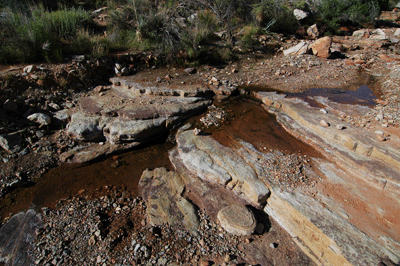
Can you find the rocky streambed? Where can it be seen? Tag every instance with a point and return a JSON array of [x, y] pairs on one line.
[[217, 171]]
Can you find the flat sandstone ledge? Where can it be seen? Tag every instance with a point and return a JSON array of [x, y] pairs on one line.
[[320, 225], [380, 160]]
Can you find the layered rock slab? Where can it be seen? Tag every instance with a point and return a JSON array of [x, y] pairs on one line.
[[214, 163], [321, 228], [162, 190], [359, 191], [126, 115]]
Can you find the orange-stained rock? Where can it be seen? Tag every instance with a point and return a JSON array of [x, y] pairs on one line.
[[387, 58], [321, 47]]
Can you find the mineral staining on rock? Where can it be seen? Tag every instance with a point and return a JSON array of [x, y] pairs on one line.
[[162, 190]]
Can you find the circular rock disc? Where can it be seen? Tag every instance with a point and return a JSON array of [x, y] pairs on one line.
[[237, 220]]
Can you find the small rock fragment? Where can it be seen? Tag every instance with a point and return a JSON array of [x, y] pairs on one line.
[[125, 71], [312, 31], [204, 263], [196, 131], [99, 89], [54, 106], [30, 69], [259, 228], [340, 127], [227, 258], [92, 240], [380, 137], [40, 118], [273, 245], [10, 105], [322, 110], [324, 123], [191, 70]]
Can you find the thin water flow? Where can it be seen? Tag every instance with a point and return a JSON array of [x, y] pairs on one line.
[[246, 120]]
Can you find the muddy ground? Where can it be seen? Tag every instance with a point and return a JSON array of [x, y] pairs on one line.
[[77, 201]]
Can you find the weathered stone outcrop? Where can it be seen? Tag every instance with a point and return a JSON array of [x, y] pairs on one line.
[[16, 238], [341, 224], [135, 87], [162, 190], [131, 113], [214, 163], [84, 127]]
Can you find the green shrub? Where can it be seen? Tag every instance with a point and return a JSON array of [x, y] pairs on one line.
[[335, 13], [276, 11], [38, 34], [198, 33], [247, 37]]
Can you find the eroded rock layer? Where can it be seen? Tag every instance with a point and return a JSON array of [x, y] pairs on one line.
[[130, 113]]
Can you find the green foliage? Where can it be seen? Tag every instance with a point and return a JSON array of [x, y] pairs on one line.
[[38, 34], [247, 38], [335, 13], [267, 11], [198, 33]]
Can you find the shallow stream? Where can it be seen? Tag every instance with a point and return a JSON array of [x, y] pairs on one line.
[[246, 120]]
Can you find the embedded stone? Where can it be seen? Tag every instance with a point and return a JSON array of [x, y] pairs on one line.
[[40, 118], [324, 123], [237, 220]]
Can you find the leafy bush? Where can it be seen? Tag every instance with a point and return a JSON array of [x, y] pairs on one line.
[[335, 13], [247, 37], [276, 11], [198, 33]]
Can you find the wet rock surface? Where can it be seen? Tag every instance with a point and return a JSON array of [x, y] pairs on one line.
[[132, 112], [313, 198]]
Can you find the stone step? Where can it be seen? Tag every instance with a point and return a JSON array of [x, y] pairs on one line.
[[134, 87]]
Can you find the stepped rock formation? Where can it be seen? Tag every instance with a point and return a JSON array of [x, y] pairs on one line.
[[130, 113]]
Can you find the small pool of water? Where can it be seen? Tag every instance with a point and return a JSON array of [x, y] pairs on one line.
[[67, 180], [362, 96]]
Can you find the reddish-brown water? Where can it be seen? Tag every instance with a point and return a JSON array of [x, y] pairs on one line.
[[67, 180], [247, 120]]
